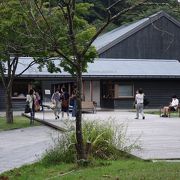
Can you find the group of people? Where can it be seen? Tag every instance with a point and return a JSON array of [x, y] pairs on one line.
[[60, 101], [139, 105]]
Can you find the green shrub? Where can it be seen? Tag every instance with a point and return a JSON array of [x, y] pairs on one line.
[[105, 142], [61, 151], [101, 137]]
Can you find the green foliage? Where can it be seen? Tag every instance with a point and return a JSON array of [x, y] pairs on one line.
[[54, 37], [101, 138], [98, 11], [63, 150], [15, 38], [106, 143]]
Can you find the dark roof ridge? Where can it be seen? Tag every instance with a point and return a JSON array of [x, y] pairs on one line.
[[162, 13]]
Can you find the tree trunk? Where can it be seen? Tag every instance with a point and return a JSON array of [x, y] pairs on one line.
[[79, 135], [9, 110]]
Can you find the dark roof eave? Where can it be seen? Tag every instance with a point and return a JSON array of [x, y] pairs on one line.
[[106, 76], [46, 76], [134, 76]]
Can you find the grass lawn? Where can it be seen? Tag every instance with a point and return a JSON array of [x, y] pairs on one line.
[[130, 169], [19, 122]]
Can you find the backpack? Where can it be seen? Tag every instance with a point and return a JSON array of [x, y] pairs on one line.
[[65, 103]]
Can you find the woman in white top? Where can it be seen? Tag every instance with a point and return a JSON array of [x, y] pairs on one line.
[[139, 99], [172, 106], [30, 98]]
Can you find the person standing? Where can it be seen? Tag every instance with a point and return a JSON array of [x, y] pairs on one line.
[[65, 102], [56, 97], [30, 98], [73, 103], [139, 99], [37, 101]]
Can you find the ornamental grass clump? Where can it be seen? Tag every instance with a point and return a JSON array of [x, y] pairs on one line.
[[99, 138], [107, 141], [62, 150], [102, 141]]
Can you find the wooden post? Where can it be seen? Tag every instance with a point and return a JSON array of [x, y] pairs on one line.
[[91, 90]]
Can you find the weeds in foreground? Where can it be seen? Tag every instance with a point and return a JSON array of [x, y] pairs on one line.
[[106, 142]]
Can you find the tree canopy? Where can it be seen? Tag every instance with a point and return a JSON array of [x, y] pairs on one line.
[[98, 11]]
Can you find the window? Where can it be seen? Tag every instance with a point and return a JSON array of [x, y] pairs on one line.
[[108, 90], [20, 89], [125, 91]]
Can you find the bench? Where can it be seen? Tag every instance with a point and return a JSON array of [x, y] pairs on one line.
[[177, 110], [89, 106], [170, 112]]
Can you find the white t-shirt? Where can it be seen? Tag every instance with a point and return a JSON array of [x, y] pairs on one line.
[[175, 102], [139, 98]]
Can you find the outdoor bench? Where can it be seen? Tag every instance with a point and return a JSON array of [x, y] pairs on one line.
[[89, 106], [170, 112]]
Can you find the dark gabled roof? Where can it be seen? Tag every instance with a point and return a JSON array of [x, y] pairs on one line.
[[112, 68], [107, 40]]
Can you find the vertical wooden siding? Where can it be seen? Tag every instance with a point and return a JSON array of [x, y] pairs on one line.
[[160, 40], [158, 92]]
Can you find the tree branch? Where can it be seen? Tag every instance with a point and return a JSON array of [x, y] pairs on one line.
[[29, 65], [12, 66], [108, 21], [71, 28], [47, 24], [66, 58]]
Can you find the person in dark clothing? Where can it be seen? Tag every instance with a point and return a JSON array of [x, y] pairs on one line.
[[65, 102], [74, 103]]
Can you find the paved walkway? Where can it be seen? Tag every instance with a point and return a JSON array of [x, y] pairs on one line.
[[158, 137], [24, 146]]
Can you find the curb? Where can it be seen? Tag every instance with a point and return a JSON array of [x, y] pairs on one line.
[[47, 123]]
